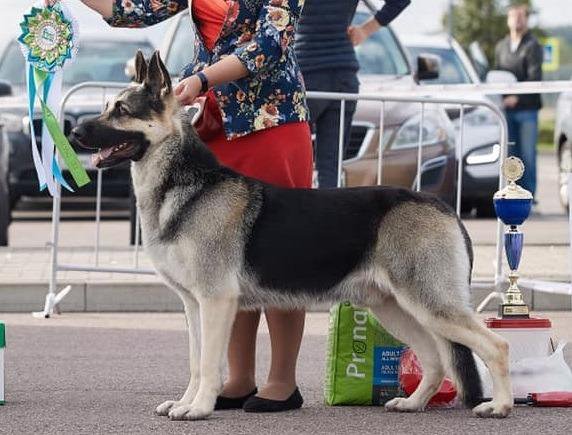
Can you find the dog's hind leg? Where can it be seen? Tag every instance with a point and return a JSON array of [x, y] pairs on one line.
[[463, 330], [405, 328], [192, 316], [217, 315]]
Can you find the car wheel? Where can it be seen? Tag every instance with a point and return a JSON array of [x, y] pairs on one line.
[[565, 167], [5, 213], [485, 208], [466, 207]]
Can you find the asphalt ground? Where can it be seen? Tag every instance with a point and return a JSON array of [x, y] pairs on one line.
[[97, 373]]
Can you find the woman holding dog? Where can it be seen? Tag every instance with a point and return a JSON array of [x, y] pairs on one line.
[[255, 121]]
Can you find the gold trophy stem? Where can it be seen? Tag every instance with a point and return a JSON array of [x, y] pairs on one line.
[[514, 305], [513, 293]]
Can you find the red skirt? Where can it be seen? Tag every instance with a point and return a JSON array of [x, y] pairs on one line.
[[280, 155]]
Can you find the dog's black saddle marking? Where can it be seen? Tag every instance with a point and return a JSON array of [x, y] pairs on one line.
[[309, 240]]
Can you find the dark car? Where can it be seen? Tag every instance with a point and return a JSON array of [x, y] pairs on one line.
[[563, 143], [99, 58]]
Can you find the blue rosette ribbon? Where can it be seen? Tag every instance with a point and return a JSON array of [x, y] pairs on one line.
[[49, 39]]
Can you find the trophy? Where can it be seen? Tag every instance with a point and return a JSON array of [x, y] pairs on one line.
[[512, 206]]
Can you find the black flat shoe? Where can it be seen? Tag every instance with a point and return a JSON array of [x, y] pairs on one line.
[[224, 403], [258, 404]]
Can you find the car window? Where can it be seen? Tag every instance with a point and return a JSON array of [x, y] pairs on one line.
[[95, 61], [380, 53], [408, 135], [451, 70], [182, 47]]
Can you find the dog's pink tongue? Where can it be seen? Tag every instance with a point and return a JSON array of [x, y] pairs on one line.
[[99, 157]]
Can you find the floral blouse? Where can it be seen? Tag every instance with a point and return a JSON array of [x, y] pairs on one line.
[[261, 34]]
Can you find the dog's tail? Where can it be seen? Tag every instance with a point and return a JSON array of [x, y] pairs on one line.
[[466, 375]]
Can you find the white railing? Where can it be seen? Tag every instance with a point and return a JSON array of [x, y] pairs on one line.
[[419, 94]]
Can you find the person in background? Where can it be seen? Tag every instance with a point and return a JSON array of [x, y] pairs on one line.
[[521, 54], [325, 43], [246, 68]]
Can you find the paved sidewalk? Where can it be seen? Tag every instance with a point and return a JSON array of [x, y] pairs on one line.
[[105, 373], [28, 265], [25, 272]]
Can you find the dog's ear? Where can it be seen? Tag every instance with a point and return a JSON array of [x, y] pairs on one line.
[[140, 67], [158, 79]]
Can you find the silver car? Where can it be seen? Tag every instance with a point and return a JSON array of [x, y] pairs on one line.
[[482, 130]]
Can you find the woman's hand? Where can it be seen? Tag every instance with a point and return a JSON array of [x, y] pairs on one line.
[[357, 35], [510, 101], [187, 90]]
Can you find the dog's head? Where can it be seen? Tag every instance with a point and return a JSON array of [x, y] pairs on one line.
[[138, 119]]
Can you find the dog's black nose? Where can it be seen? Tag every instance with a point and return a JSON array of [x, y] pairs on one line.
[[79, 133]]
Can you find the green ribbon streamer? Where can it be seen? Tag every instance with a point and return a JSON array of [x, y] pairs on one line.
[[66, 151]]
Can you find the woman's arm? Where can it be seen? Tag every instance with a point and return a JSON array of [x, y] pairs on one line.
[[225, 70], [274, 31], [103, 7], [138, 13]]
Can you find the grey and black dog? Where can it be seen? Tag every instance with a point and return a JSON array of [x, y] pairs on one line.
[[225, 242]]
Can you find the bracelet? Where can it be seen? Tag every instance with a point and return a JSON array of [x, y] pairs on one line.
[[204, 81]]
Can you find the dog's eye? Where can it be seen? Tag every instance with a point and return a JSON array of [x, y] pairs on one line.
[[121, 109]]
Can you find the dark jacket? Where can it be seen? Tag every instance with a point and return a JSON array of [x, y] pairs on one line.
[[322, 41], [525, 63], [261, 34]]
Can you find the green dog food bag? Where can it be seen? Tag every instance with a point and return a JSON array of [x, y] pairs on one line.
[[362, 361]]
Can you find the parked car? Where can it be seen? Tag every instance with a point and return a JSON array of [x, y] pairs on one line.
[[100, 58], [382, 60], [481, 154], [563, 144]]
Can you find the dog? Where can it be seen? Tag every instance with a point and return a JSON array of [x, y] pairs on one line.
[[224, 242]]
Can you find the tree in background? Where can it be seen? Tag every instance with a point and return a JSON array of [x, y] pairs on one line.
[[483, 21]]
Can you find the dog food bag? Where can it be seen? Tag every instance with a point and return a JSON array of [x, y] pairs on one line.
[[362, 361]]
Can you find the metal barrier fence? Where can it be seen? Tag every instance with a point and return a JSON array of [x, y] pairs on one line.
[[417, 95]]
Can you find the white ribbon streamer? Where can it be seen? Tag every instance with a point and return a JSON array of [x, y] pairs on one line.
[[35, 153], [48, 146]]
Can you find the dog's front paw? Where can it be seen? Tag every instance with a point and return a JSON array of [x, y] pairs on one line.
[[189, 412], [165, 407], [492, 410], [402, 404]]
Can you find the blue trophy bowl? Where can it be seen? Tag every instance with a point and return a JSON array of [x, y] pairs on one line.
[[512, 211]]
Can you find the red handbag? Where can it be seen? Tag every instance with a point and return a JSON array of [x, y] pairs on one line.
[[208, 121]]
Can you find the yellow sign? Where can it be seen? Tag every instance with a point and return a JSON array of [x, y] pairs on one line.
[[551, 54]]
